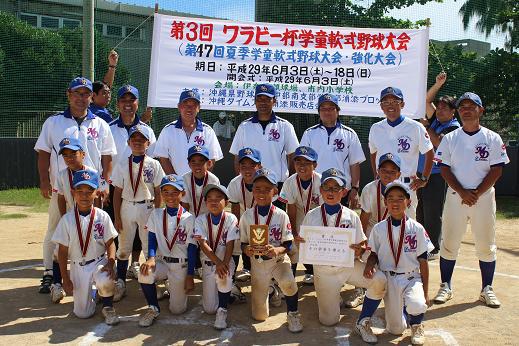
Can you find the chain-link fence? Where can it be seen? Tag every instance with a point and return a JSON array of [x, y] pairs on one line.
[[40, 52]]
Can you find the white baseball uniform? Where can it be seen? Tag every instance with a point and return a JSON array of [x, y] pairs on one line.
[[172, 245], [404, 282], [263, 270], [470, 159], [329, 280], [174, 143], [95, 138], [193, 195], [85, 270], [340, 149], [217, 237], [274, 142], [120, 134], [63, 185], [136, 204]]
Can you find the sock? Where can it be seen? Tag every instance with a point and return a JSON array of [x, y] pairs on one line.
[[309, 269], [446, 269], [291, 302], [56, 278], [122, 268], [150, 293], [108, 301], [415, 319], [368, 308], [487, 273], [223, 299], [294, 268]]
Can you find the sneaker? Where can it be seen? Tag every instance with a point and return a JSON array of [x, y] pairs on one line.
[[356, 299], [308, 279], [111, 317], [294, 322], [220, 321], [199, 273], [444, 294], [120, 290], [45, 284], [57, 293], [417, 334], [133, 271], [363, 328], [243, 276], [488, 297], [274, 295], [149, 316], [236, 295], [431, 256]]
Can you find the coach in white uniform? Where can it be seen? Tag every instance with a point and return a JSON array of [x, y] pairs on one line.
[[337, 145], [94, 135], [404, 137], [177, 137], [471, 160]]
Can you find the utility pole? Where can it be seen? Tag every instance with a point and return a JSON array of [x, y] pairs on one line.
[[88, 39]]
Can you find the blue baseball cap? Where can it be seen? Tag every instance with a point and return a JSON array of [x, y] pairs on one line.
[[306, 152], [138, 128], [265, 173], [265, 89], [80, 82], [335, 174], [189, 95], [70, 143], [127, 89], [469, 96], [328, 98], [198, 150], [390, 157], [174, 180], [250, 153], [391, 91], [397, 184], [85, 177], [218, 187]]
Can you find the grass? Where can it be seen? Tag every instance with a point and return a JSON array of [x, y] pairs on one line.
[[12, 216], [507, 207], [26, 198]]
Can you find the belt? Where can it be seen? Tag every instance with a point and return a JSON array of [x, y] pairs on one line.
[[209, 263], [140, 202], [265, 258], [392, 273], [406, 180], [84, 263], [174, 259]]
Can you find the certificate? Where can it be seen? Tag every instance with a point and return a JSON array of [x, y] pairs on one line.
[[327, 246]]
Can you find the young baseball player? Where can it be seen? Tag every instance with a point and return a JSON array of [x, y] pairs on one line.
[[137, 191], [399, 245], [471, 161], [330, 279], [301, 194], [86, 235], [216, 232], [171, 252], [274, 263]]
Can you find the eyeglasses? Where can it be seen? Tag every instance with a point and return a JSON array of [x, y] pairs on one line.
[[389, 103], [81, 94], [332, 189], [467, 107]]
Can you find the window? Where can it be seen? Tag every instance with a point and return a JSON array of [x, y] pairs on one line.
[[133, 34], [49, 22], [71, 23], [114, 30], [31, 19], [99, 27]]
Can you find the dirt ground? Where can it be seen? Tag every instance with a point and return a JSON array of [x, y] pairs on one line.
[[29, 318]]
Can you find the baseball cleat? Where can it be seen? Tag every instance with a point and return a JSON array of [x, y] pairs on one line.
[[220, 321], [444, 294], [274, 295], [149, 316], [133, 271], [243, 276], [417, 334], [431, 256], [488, 297], [57, 293], [308, 279], [363, 328], [236, 295], [294, 322], [356, 299], [110, 316], [45, 284], [120, 290]]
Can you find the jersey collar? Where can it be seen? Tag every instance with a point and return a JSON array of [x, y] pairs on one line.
[[89, 115], [273, 118], [119, 121], [396, 122], [337, 124], [199, 125]]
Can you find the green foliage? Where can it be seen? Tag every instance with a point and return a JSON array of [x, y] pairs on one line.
[[25, 197]]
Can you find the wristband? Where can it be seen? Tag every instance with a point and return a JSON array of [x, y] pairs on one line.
[[112, 66]]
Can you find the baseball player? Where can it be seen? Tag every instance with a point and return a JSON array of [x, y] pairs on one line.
[[404, 137], [399, 245], [137, 192], [171, 252], [216, 232], [188, 130], [471, 161], [330, 279], [102, 94], [86, 235], [274, 263], [96, 140], [301, 194]]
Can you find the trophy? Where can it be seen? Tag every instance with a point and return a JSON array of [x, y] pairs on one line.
[[259, 238]]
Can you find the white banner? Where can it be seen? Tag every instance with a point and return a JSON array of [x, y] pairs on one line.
[[225, 60]]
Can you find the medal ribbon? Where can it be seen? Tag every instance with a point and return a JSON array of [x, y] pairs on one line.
[[84, 244], [210, 231], [309, 198], [138, 179], [193, 194], [379, 196], [337, 219], [396, 256], [243, 196], [165, 227], [269, 216]]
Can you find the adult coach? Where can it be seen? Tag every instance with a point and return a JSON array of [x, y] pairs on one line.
[[440, 120], [337, 145], [471, 160], [177, 137], [77, 121], [404, 137], [274, 137]]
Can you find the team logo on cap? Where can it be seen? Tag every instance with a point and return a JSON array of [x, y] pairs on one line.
[[389, 90], [327, 97], [263, 88], [65, 141], [83, 81], [85, 176], [263, 172], [191, 94], [198, 148], [303, 150], [129, 88], [333, 172], [389, 156], [247, 151], [172, 178]]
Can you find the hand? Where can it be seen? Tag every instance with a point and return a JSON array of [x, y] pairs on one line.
[[189, 284], [118, 224], [469, 197], [147, 115], [222, 269], [113, 58], [68, 286], [272, 251], [109, 269], [248, 251], [441, 78], [369, 271], [148, 266], [45, 189], [416, 183], [353, 199], [359, 248], [298, 239]]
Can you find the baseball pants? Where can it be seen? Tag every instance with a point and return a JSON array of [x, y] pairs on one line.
[[431, 199], [212, 284], [48, 246], [134, 216]]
